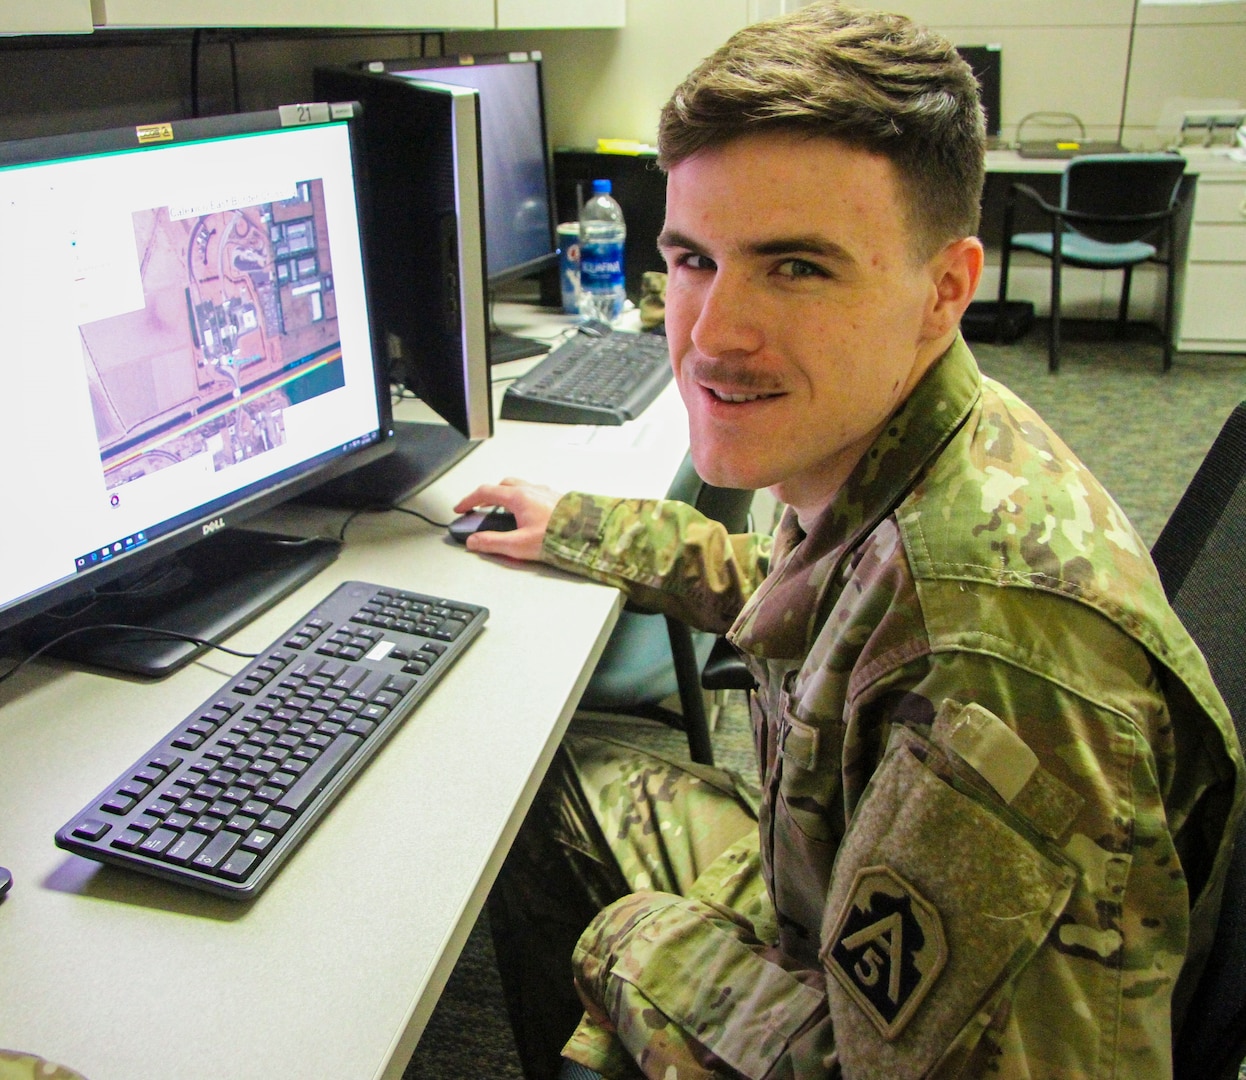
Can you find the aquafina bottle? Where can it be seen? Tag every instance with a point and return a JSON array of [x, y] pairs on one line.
[[602, 235]]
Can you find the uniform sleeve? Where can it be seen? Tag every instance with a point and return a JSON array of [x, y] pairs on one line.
[[665, 555], [684, 988]]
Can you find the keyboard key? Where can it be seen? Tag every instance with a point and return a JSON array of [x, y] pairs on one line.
[[92, 829], [220, 848]]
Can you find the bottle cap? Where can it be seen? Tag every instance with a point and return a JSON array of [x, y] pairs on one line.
[[601, 187]]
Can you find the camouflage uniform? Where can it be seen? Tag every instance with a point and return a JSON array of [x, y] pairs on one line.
[[16, 1065], [997, 781]]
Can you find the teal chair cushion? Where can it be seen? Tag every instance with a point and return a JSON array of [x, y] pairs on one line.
[[1081, 250]]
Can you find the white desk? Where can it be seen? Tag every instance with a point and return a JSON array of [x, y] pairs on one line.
[[1211, 256], [334, 969]]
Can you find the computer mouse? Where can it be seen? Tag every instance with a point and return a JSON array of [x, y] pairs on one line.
[[481, 521], [6, 879], [595, 328]]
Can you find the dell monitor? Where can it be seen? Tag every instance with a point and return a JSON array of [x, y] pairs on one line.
[[188, 343], [421, 163], [520, 224]]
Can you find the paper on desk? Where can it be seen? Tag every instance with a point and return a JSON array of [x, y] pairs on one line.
[[593, 437]]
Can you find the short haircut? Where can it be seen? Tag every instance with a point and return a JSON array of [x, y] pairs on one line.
[[876, 82]]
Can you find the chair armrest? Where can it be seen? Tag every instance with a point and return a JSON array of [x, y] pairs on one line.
[[725, 670], [1018, 188]]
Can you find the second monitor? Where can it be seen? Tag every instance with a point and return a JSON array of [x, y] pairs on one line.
[[425, 268], [520, 224]]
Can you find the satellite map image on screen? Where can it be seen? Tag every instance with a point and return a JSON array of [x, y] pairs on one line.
[[239, 323]]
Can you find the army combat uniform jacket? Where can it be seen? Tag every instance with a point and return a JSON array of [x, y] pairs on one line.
[[997, 781]]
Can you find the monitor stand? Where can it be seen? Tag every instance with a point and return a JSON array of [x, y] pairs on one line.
[[208, 590], [504, 347], [422, 452]]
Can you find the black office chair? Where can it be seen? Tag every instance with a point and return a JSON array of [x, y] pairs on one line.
[[649, 658], [1201, 556], [1111, 207]]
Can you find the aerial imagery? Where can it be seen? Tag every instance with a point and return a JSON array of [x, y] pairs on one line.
[[239, 322]]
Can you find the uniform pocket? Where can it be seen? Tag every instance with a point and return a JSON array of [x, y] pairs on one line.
[[807, 768], [939, 895]]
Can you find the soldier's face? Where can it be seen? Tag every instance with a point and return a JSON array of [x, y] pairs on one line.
[[799, 315]]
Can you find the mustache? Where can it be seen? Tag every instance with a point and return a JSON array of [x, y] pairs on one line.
[[739, 379]]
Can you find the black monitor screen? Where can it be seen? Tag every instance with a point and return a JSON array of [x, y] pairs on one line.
[[987, 63], [519, 214], [188, 337]]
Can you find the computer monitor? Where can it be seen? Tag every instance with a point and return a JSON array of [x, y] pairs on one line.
[[520, 223], [987, 62], [188, 343], [422, 170]]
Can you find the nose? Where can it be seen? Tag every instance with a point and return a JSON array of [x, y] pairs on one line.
[[729, 319]]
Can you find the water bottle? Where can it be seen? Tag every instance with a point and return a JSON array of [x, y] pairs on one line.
[[602, 234]]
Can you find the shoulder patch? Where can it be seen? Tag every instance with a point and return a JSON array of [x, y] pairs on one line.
[[887, 948]]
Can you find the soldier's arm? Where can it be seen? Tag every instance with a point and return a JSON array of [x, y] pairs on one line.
[[666, 556]]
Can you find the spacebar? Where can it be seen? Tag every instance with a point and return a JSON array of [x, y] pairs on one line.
[[322, 770]]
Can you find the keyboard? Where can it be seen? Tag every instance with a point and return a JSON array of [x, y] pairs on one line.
[[231, 791], [591, 379]]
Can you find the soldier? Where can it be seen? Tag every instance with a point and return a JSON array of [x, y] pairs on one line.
[[997, 782]]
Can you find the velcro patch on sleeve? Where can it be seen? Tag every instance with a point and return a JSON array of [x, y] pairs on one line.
[[887, 948]]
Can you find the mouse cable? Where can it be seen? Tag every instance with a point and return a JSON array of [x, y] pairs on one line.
[[387, 508]]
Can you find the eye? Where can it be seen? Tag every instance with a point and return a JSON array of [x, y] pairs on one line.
[[689, 260], [800, 268]]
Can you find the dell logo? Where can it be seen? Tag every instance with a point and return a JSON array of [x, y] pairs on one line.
[[212, 526]]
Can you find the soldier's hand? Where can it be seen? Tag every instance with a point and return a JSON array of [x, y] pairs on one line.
[[532, 505]]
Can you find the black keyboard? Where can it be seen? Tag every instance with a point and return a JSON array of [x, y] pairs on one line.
[[226, 797], [589, 379]]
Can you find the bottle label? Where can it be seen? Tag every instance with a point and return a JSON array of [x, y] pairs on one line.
[[601, 265]]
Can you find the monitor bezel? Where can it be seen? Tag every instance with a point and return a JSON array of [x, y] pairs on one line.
[[200, 523]]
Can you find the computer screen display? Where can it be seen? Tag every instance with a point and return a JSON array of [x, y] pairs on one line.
[[188, 339], [987, 62], [519, 214]]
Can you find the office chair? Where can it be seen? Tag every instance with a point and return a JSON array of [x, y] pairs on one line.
[[650, 657], [1111, 207], [1201, 557]]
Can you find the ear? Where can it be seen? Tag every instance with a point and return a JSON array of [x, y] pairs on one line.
[[955, 272]]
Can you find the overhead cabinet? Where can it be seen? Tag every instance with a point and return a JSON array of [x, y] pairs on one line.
[[372, 14], [45, 17]]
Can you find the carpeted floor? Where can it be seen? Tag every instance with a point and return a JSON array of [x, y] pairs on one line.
[[1143, 432]]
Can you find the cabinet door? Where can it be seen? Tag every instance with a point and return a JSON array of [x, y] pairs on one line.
[[45, 17], [1212, 318], [413, 14], [548, 14]]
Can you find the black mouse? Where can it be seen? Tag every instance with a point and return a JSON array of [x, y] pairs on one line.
[[481, 521]]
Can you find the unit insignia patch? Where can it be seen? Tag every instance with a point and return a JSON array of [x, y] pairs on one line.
[[887, 948]]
